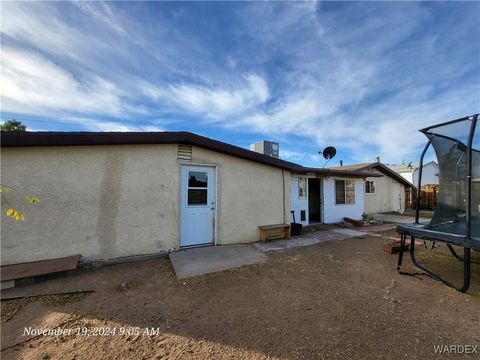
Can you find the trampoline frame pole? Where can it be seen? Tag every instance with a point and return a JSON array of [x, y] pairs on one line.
[[400, 254], [466, 267], [469, 178], [446, 123], [419, 183]]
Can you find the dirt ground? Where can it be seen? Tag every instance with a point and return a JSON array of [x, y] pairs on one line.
[[339, 300]]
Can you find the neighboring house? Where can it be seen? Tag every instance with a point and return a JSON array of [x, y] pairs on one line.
[[381, 194], [410, 172], [110, 195]]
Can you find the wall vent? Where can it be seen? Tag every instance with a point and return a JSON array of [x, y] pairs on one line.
[[184, 152]]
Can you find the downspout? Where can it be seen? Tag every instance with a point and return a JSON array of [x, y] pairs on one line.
[[215, 215], [284, 201]]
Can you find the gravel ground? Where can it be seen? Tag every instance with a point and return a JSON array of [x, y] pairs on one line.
[[338, 300]]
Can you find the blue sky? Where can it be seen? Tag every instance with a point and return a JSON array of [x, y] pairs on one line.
[[362, 77]]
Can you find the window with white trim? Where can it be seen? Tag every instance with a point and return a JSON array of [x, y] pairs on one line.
[[197, 188], [302, 188], [369, 187], [344, 192]]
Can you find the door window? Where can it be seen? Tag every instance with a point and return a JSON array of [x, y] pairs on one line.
[[197, 188]]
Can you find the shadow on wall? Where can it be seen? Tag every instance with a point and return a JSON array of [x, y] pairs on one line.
[[110, 192]]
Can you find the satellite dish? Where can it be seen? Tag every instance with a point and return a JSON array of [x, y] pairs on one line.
[[329, 152]]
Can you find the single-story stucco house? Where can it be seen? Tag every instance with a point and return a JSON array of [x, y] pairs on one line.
[[410, 172], [382, 194], [111, 195]]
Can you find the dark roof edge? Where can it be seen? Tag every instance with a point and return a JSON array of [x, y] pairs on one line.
[[389, 172], [335, 172], [29, 139]]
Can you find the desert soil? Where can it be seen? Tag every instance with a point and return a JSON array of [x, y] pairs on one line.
[[341, 300]]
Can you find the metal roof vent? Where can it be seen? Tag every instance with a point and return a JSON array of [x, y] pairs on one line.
[[184, 152]]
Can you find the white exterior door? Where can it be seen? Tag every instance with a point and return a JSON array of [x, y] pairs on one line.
[[197, 205]]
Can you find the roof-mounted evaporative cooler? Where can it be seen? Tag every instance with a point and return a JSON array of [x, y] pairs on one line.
[[456, 220]]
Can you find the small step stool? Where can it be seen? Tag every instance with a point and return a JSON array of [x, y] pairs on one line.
[[277, 231]]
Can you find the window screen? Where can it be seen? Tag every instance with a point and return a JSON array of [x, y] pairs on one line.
[[370, 187], [350, 191], [302, 188], [339, 192], [344, 192]]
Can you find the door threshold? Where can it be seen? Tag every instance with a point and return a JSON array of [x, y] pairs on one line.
[[196, 245]]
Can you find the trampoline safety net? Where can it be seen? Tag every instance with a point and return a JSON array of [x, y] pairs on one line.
[[452, 199], [456, 220]]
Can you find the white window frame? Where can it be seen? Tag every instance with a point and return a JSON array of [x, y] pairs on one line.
[[374, 187], [196, 188], [345, 191]]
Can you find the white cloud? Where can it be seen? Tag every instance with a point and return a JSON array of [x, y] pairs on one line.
[[105, 15], [42, 26], [342, 63], [299, 156], [69, 68], [93, 124], [361, 77], [214, 103], [32, 84], [231, 62]]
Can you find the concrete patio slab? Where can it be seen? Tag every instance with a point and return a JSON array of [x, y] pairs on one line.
[[378, 228], [205, 260], [398, 219], [303, 240], [353, 233]]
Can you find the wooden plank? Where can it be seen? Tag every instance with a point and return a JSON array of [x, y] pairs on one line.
[[276, 230], [271, 236], [36, 268], [263, 235], [273, 226]]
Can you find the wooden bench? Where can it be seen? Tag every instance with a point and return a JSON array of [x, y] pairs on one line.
[[277, 231], [38, 268]]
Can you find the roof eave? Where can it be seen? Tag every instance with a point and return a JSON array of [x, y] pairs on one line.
[[394, 175], [31, 139], [340, 173]]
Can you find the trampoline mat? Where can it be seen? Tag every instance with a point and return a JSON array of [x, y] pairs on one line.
[[459, 227], [453, 233]]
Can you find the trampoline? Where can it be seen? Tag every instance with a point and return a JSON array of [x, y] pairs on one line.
[[456, 220]]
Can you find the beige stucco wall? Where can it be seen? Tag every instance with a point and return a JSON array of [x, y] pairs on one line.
[[114, 201], [389, 196], [249, 195]]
